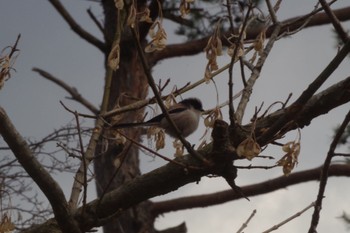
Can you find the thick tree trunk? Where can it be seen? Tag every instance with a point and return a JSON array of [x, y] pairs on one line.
[[129, 83]]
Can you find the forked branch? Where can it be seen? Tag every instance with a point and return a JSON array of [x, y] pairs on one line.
[[76, 27]]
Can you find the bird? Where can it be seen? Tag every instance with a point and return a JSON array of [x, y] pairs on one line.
[[185, 115]]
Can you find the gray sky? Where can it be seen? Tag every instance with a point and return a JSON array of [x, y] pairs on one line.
[[48, 43]]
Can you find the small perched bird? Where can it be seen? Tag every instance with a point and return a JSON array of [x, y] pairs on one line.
[[184, 114]]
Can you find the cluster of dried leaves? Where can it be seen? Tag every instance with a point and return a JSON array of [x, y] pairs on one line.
[[157, 33], [290, 159], [249, 149], [8, 58], [6, 225], [214, 47]]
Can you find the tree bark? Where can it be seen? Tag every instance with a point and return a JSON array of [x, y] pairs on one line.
[[128, 84]]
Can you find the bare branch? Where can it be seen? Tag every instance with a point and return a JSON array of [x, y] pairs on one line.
[[249, 190], [325, 172], [289, 219], [90, 151], [71, 90], [41, 177], [93, 17], [245, 224], [319, 104], [255, 75], [196, 46], [336, 24], [76, 27]]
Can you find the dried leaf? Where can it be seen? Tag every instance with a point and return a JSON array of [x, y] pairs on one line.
[[119, 4], [213, 50], [248, 148], [6, 225], [290, 159], [185, 7], [239, 53], [114, 57], [160, 140], [117, 163], [5, 67], [119, 139], [212, 117], [159, 37], [131, 20], [145, 16], [179, 148], [259, 43]]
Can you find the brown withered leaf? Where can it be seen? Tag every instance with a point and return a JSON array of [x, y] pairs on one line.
[[159, 37], [248, 148], [114, 57], [6, 225]]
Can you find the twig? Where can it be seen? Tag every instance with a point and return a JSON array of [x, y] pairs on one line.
[[242, 63], [272, 12], [336, 23], [157, 154], [90, 151], [233, 60], [98, 24], [69, 153], [82, 152], [303, 24], [304, 21], [341, 154], [324, 173], [255, 74], [287, 100], [131, 107], [256, 167], [14, 47], [245, 224], [229, 13], [71, 90], [77, 28], [289, 219], [79, 114], [111, 179]]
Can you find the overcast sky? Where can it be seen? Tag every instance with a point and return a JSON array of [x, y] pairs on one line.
[[48, 43]]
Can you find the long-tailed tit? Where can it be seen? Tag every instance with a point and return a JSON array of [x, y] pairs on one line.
[[184, 114]]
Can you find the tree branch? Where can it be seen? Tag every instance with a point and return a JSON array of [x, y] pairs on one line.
[[95, 20], [249, 190], [41, 177], [336, 24], [325, 173], [196, 46], [319, 104], [255, 75], [77, 28], [299, 104], [71, 90]]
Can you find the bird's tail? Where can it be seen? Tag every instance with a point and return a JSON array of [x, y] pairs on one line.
[[132, 125]]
